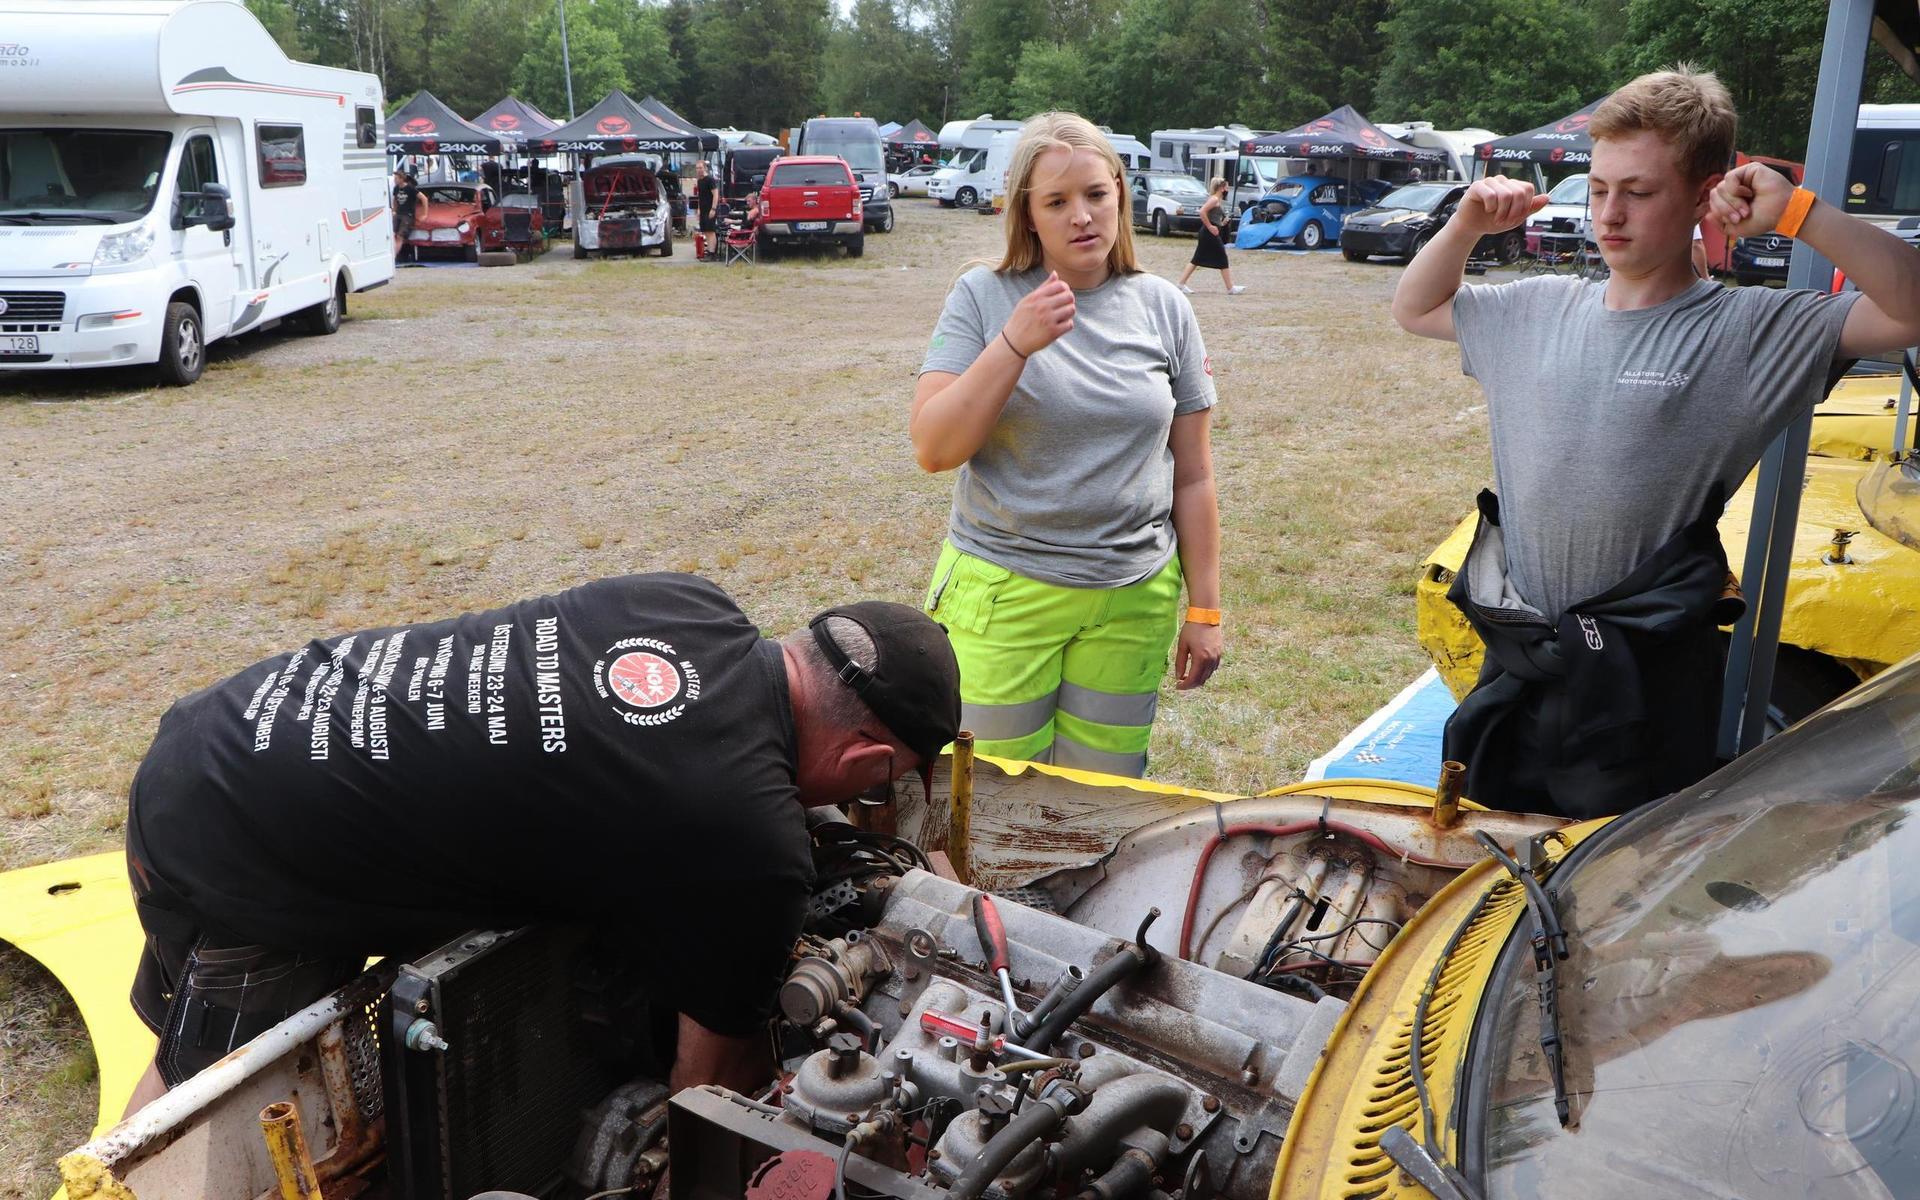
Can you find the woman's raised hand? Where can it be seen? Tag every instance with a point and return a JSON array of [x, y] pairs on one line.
[[1042, 317]]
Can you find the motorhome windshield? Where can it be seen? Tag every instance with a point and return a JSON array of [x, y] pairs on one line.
[[969, 159], [79, 176], [860, 146], [1884, 178]]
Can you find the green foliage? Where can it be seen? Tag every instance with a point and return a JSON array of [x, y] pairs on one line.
[[283, 23], [881, 63], [1462, 63], [478, 48], [1767, 52], [1054, 75], [759, 60], [1135, 65], [598, 66]]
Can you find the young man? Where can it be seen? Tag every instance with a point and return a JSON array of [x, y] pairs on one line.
[[1622, 416], [630, 752]]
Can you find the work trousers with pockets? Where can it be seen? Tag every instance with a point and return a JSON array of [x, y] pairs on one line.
[[1061, 675]]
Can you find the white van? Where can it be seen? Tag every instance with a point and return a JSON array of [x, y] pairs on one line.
[[1191, 150], [169, 178], [966, 179], [1883, 174]]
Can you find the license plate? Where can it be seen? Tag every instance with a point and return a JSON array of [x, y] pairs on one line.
[[1769, 262], [809, 226], [14, 344]]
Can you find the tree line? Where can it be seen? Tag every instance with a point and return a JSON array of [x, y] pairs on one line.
[[1134, 65]]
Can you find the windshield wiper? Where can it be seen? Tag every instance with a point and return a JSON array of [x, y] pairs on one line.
[[28, 218], [1549, 943]]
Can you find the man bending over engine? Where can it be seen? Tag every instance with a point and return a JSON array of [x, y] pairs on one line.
[[1623, 414], [630, 752]]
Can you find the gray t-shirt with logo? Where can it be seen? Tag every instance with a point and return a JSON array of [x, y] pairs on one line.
[[1610, 429], [1075, 486]]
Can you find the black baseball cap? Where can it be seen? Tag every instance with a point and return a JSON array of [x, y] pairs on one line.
[[913, 684]]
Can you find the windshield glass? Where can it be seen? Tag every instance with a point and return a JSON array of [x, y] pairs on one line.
[[861, 148], [1423, 196], [1290, 191], [809, 174], [68, 176], [1739, 1008], [1176, 185], [968, 159], [1571, 190]]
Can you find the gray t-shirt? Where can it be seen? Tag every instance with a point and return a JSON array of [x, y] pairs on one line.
[[1075, 485], [1610, 429]]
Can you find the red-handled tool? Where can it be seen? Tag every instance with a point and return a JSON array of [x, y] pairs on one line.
[[942, 1025], [993, 939]]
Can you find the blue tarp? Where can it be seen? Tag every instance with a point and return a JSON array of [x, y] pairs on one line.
[[1401, 741]]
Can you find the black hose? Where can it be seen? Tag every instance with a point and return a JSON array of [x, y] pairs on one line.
[[1031, 1124], [1069, 982], [1130, 1175], [1126, 961], [1120, 1107]]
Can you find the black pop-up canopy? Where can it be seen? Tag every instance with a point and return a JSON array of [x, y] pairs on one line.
[[514, 121], [1342, 133], [621, 125], [1565, 140], [913, 133], [425, 126]]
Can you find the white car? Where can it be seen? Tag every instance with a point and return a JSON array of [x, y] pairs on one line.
[[1567, 202], [912, 181]]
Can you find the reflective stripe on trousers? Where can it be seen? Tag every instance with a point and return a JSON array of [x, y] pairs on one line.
[[1068, 676]]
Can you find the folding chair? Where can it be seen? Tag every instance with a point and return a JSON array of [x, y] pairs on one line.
[[1561, 248], [740, 244]]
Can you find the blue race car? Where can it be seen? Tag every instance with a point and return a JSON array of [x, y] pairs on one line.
[[1305, 212]]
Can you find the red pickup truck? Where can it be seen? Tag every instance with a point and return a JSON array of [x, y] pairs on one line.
[[811, 199]]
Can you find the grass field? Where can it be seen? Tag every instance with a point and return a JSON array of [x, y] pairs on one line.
[[475, 436]]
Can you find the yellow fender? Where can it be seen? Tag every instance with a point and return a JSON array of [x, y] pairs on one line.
[[76, 919]]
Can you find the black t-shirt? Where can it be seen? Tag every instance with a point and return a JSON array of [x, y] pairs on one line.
[[621, 753], [703, 190]]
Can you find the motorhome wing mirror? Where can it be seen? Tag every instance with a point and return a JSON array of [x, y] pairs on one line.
[[212, 206]]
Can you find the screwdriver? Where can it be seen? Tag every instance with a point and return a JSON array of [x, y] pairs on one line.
[[942, 1025], [993, 939]]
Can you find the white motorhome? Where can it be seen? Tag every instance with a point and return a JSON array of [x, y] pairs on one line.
[[966, 179], [1456, 144], [1883, 175], [1182, 149], [169, 178]]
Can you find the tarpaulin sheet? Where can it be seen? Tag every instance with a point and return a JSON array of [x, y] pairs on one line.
[[1401, 741]]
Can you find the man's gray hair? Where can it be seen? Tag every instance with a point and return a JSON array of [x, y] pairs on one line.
[[841, 707]]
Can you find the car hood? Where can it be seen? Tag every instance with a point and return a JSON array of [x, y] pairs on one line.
[[1386, 216], [447, 216], [50, 251], [1552, 211]]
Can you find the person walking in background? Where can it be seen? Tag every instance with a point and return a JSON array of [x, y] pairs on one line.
[[1071, 393], [1211, 250]]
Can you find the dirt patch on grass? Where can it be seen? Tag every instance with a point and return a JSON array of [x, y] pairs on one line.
[[49, 1087], [474, 436]]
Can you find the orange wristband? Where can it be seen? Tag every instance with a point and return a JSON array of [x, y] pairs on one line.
[[1797, 209], [1203, 616]]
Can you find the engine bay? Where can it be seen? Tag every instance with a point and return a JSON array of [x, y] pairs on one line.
[[1141, 1025]]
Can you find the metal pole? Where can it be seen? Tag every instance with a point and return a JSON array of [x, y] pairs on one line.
[[1776, 501], [566, 58], [960, 813]]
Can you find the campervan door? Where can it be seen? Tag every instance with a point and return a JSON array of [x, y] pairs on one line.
[[169, 178]]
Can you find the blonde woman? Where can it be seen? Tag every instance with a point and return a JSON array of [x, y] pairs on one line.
[[1210, 250], [1071, 393]]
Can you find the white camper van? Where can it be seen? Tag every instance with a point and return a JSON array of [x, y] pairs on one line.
[[168, 178], [967, 179], [1457, 144]]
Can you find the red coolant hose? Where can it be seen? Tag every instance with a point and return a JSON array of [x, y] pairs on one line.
[[1232, 831]]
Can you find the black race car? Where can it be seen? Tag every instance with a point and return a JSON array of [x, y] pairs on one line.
[[1403, 222], [1760, 259]]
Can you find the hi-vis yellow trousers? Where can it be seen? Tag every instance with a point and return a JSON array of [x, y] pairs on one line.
[[1069, 676]]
